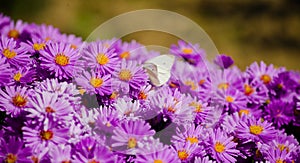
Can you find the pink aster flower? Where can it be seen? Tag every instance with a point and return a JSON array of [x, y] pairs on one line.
[[130, 76], [13, 54], [100, 57], [95, 83], [129, 133], [60, 59], [14, 100], [255, 130], [221, 146]]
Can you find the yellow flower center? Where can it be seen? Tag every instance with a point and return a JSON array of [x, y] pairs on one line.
[[192, 84], [197, 106], [282, 147], [266, 79], [19, 100], [142, 96], [81, 91], [48, 109], [102, 59], [187, 50], [192, 140], [96, 82], [108, 124], [248, 90], [46, 135], [229, 99], [17, 76], [132, 143], [256, 129], [125, 55], [61, 59], [182, 155], [38, 47], [223, 86], [73, 46], [125, 75], [114, 95], [219, 147], [279, 161], [11, 158], [244, 111], [13, 34], [158, 161], [9, 53]]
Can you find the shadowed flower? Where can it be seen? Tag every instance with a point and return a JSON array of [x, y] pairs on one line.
[[15, 30], [5, 72], [223, 61], [279, 112]]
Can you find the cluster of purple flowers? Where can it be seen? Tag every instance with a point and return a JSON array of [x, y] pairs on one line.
[[66, 100]]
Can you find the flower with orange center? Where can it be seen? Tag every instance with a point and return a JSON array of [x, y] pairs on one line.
[[61, 59], [38, 47], [244, 111], [182, 155], [142, 95], [17, 77], [219, 147], [229, 99], [13, 34], [132, 142], [11, 158], [248, 90], [187, 50], [96, 82], [201, 82], [266, 79], [48, 109], [192, 140], [125, 55], [19, 101], [197, 106], [223, 86], [46, 135], [102, 59]]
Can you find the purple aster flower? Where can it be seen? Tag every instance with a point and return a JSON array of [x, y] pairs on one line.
[[35, 45], [278, 156], [230, 122], [284, 83], [131, 51], [129, 133], [75, 42], [14, 100], [95, 83], [255, 130], [221, 146], [200, 110], [190, 133], [223, 61], [127, 109], [14, 30], [46, 33], [279, 112], [162, 155], [101, 58], [186, 151], [61, 153], [24, 75], [49, 105], [12, 53], [12, 151], [107, 119], [98, 154], [47, 134], [189, 52], [231, 99], [225, 79], [5, 72], [262, 73], [60, 59], [130, 76]]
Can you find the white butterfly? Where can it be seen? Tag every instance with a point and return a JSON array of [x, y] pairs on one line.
[[159, 69]]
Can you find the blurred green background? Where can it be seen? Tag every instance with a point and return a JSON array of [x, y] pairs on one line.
[[247, 30]]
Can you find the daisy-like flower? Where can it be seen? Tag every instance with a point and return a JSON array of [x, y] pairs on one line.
[[262, 73], [278, 156], [60, 59], [162, 155], [35, 45], [14, 100], [186, 151], [127, 108], [200, 110], [100, 57], [49, 105], [97, 154], [230, 99], [12, 151], [224, 79], [255, 130], [75, 42], [279, 112], [24, 75], [223, 61], [107, 119], [5, 72], [129, 133], [131, 51], [61, 153], [221, 146], [94, 83], [15, 30], [190, 133], [46, 135], [12, 53], [130, 76], [189, 52], [46, 33]]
